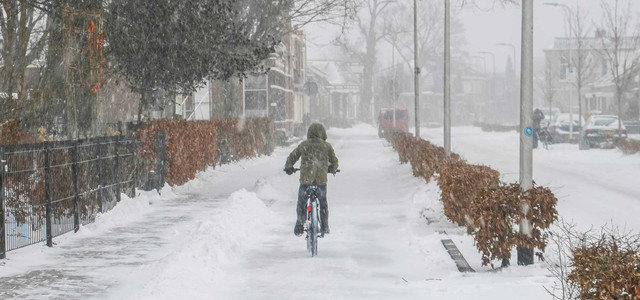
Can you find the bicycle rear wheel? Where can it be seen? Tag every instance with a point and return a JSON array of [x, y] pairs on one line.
[[313, 229]]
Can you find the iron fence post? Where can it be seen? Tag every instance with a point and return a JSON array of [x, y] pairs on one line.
[[47, 192], [3, 245], [100, 176], [76, 196], [161, 152], [134, 149], [116, 167]]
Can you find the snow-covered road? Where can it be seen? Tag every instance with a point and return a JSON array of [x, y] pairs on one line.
[[229, 233]]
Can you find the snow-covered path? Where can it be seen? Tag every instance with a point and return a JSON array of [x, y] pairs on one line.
[[228, 234], [368, 254]]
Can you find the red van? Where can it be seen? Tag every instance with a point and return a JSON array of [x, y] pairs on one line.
[[385, 120]]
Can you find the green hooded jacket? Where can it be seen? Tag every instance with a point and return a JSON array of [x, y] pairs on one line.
[[318, 157]]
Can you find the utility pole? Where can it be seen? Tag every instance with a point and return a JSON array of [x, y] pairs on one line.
[[525, 256], [417, 69], [447, 78], [393, 84]]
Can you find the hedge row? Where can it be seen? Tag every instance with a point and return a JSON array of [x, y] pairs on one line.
[[607, 267], [424, 157], [474, 197], [192, 146], [629, 146], [10, 133]]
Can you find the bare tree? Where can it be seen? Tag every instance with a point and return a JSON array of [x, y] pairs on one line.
[[23, 41], [548, 85], [430, 34], [620, 39], [370, 27], [564, 239], [581, 58], [332, 11]]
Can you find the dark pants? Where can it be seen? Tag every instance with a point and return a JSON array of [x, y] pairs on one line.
[[301, 208]]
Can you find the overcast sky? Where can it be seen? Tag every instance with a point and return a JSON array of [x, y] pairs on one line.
[[488, 25]]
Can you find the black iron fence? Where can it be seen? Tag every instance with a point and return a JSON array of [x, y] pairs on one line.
[[50, 188]]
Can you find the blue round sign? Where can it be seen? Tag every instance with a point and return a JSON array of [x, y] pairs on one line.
[[528, 131]]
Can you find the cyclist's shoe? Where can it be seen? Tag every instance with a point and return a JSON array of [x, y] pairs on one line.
[[298, 229], [325, 231]]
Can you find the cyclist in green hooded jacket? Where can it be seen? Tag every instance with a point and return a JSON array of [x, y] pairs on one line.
[[318, 158]]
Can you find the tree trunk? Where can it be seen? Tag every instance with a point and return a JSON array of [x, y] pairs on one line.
[[143, 97], [9, 64], [53, 95], [24, 42], [580, 140], [619, 98]]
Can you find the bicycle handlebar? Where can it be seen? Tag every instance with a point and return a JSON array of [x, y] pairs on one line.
[[296, 170]]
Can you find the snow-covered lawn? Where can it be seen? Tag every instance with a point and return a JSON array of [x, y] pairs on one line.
[[229, 233]]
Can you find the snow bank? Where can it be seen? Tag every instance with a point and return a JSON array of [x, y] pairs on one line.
[[194, 271], [127, 210]]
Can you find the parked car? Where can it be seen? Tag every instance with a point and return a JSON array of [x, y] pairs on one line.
[[560, 128], [385, 120], [601, 131]]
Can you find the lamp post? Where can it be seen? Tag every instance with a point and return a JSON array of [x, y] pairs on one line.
[[416, 68], [447, 78], [569, 65], [525, 255]]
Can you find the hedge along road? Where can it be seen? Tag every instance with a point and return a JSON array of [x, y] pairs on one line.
[[214, 240], [594, 187]]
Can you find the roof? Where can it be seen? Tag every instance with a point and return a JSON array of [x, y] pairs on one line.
[[330, 70]]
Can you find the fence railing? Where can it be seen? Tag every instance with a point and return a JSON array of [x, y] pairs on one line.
[[50, 188]]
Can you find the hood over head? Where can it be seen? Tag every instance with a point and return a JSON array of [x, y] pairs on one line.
[[316, 130]]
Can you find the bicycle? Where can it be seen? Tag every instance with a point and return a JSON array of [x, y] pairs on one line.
[[312, 225], [544, 136]]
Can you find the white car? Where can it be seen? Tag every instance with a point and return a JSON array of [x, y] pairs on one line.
[[601, 130], [560, 128]]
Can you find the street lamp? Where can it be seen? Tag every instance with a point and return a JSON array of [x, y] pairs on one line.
[[569, 65]]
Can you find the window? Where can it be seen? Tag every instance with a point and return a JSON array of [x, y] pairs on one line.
[[604, 121]]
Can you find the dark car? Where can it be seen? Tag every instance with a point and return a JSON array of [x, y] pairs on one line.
[[601, 131]]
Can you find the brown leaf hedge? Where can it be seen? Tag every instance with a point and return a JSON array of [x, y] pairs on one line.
[[192, 146], [607, 267], [473, 196], [629, 146]]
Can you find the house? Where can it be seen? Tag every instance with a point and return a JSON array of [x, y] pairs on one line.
[[598, 93], [339, 91], [274, 89]]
